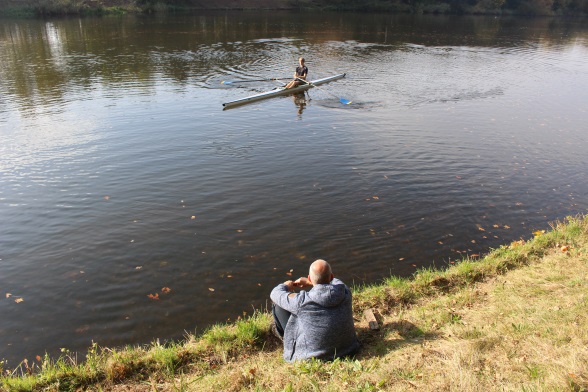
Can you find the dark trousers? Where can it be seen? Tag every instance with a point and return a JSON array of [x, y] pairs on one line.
[[281, 317]]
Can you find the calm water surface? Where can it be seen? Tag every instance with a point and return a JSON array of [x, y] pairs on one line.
[[120, 174]]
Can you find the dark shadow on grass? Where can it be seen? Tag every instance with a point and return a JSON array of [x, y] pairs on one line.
[[380, 342]]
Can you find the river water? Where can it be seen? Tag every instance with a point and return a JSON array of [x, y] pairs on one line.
[[121, 177]]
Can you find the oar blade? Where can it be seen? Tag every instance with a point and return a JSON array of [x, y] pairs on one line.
[[226, 82], [345, 101]]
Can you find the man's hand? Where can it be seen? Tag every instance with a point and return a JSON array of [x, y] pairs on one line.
[[302, 282], [290, 285]]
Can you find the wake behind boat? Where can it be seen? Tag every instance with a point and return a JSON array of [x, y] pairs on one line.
[[281, 91]]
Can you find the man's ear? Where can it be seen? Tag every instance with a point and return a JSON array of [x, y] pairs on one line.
[[332, 277], [310, 280]]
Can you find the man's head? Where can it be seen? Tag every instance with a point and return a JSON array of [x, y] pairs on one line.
[[301, 61], [320, 272]]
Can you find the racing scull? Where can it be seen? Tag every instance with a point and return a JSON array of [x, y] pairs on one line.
[[281, 91]]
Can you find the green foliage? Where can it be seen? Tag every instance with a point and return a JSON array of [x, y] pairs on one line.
[[523, 7]]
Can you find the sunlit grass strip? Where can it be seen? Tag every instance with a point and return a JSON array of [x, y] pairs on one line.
[[158, 361], [394, 291], [219, 344]]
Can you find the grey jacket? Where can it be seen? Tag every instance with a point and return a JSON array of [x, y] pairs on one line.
[[321, 325]]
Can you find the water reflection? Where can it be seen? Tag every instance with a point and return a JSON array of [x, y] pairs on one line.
[[300, 102], [120, 174], [43, 61]]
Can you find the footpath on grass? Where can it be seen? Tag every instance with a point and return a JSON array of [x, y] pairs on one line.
[[515, 320]]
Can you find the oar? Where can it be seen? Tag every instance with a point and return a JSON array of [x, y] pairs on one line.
[[247, 81], [342, 100]]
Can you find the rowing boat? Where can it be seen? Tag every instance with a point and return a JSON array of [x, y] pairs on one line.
[[281, 91]]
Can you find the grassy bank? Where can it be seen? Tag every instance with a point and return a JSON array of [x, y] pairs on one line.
[[515, 320]]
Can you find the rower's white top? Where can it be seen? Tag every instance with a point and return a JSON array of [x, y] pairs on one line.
[[281, 90]]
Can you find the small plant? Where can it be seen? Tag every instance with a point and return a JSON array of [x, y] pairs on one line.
[[534, 371]]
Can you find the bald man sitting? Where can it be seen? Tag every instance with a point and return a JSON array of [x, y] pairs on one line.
[[316, 323]]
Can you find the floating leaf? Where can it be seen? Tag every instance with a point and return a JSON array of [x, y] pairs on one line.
[[18, 300], [138, 267], [229, 276], [400, 259], [375, 198], [165, 290], [440, 242], [154, 297], [496, 226], [506, 227], [8, 295], [210, 289], [193, 217], [473, 241], [106, 198]]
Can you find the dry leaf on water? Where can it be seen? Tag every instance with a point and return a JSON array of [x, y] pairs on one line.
[[211, 289], [8, 295], [18, 300], [152, 296], [165, 290]]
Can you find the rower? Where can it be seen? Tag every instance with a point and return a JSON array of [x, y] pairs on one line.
[[301, 73]]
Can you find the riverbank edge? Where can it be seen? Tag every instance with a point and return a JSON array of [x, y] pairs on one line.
[[45, 8], [236, 354]]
